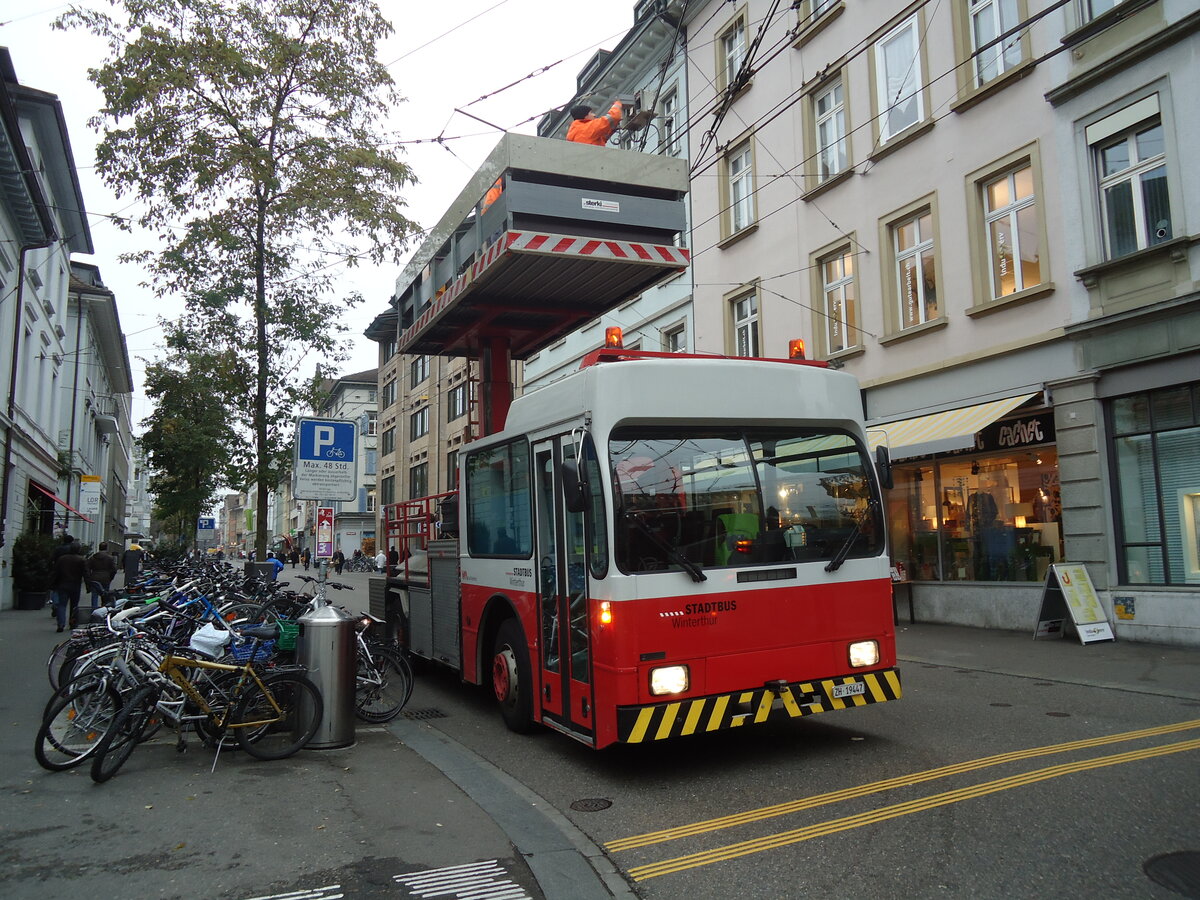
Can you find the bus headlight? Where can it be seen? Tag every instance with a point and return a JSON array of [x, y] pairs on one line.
[[864, 653], [668, 680]]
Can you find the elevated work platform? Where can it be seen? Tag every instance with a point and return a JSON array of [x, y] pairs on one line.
[[547, 236]]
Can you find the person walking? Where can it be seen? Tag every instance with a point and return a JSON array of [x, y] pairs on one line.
[[393, 559], [131, 562], [381, 561], [306, 558], [276, 564], [101, 570], [294, 558], [339, 560], [69, 570]]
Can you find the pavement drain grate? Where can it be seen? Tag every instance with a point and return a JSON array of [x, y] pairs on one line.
[[1059, 715], [1178, 872], [594, 804], [429, 712]]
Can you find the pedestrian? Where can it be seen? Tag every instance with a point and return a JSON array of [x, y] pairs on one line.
[[276, 564], [131, 562], [295, 557], [591, 129], [69, 570], [339, 560], [306, 558], [101, 570], [393, 561], [381, 561]]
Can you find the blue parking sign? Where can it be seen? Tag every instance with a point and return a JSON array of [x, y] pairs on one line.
[[325, 462]]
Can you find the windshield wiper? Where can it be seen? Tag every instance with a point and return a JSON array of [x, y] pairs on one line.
[[843, 551], [674, 555]]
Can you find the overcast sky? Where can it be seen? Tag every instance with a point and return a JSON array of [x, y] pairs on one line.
[[442, 56]]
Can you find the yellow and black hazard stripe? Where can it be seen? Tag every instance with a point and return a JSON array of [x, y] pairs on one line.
[[639, 724]]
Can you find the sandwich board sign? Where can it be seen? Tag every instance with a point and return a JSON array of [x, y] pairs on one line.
[[324, 465], [1069, 592]]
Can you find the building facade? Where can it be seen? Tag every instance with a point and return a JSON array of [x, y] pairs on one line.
[[354, 398], [976, 208]]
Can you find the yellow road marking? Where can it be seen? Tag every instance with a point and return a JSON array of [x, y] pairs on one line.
[[781, 809], [820, 829]]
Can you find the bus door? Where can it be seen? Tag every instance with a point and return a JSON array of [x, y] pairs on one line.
[[562, 573]]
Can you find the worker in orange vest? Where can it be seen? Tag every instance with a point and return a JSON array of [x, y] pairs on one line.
[[591, 129]]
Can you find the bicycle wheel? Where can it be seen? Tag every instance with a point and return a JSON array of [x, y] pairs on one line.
[[75, 723], [383, 685], [276, 723], [125, 734]]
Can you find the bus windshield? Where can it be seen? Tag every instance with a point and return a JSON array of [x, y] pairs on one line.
[[720, 498]]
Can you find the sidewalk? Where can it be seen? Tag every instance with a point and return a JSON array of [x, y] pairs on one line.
[[455, 809], [1168, 671]]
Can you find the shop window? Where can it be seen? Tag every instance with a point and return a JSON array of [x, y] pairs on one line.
[[1157, 478], [978, 517]]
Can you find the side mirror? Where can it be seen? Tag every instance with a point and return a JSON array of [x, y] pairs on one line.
[[883, 467], [575, 491]]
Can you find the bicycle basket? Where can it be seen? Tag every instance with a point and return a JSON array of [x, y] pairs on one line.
[[241, 652], [287, 635]]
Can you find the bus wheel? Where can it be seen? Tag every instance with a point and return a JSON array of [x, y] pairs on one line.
[[511, 681]]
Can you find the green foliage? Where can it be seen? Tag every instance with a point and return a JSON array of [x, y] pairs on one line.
[[32, 569], [251, 132]]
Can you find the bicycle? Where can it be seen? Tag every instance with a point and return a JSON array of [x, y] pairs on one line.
[[271, 716], [361, 564]]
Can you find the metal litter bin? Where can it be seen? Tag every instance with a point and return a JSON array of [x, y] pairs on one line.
[[325, 646]]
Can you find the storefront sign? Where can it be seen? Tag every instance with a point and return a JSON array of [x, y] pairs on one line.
[[89, 495], [1011, 434], [1069, 592]]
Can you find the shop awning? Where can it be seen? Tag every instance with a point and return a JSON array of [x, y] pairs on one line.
[[953, 429], [60, 501]]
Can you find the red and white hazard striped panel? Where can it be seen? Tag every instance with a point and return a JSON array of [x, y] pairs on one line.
[[557, 244]]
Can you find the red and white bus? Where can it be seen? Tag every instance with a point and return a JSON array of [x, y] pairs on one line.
[[660, 545]]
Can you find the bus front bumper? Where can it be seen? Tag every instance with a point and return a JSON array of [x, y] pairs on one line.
[[696, 715]]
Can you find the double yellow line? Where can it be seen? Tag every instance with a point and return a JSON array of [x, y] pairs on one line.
[[744, 848]]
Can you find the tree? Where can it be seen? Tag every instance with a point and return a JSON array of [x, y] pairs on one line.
[[189, 439], [252, 133]]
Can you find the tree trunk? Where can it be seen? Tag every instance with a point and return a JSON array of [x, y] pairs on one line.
[[260, 391]]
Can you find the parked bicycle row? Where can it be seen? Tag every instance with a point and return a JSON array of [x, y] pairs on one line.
[[204, 651]]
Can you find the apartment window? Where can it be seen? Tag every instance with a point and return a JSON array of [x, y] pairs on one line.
[[916, 275], [732, 51], [389, 348], [387, 441], [418, 424], [1156, 471], [1013, 232], [744, 310], [418, 370], [370, 501], [1094, 8], [898, 80], [830, 113], [668, 109], [389, 393], [1132, 171], [840, 301], [452, 470], [675, 339], [990, 19], [456, 402], [387, 490], [739, 188], [418, 481], [372, 421]]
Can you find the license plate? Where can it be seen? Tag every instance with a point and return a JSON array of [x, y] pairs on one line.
[[849, 690]]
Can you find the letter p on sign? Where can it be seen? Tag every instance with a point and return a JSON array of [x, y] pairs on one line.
[[322, 438]]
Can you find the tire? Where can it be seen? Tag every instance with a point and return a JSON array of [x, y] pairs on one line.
[[383, 686], [267, 733], [244, 613], [125, 734], [512, 683], [75, 723]]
